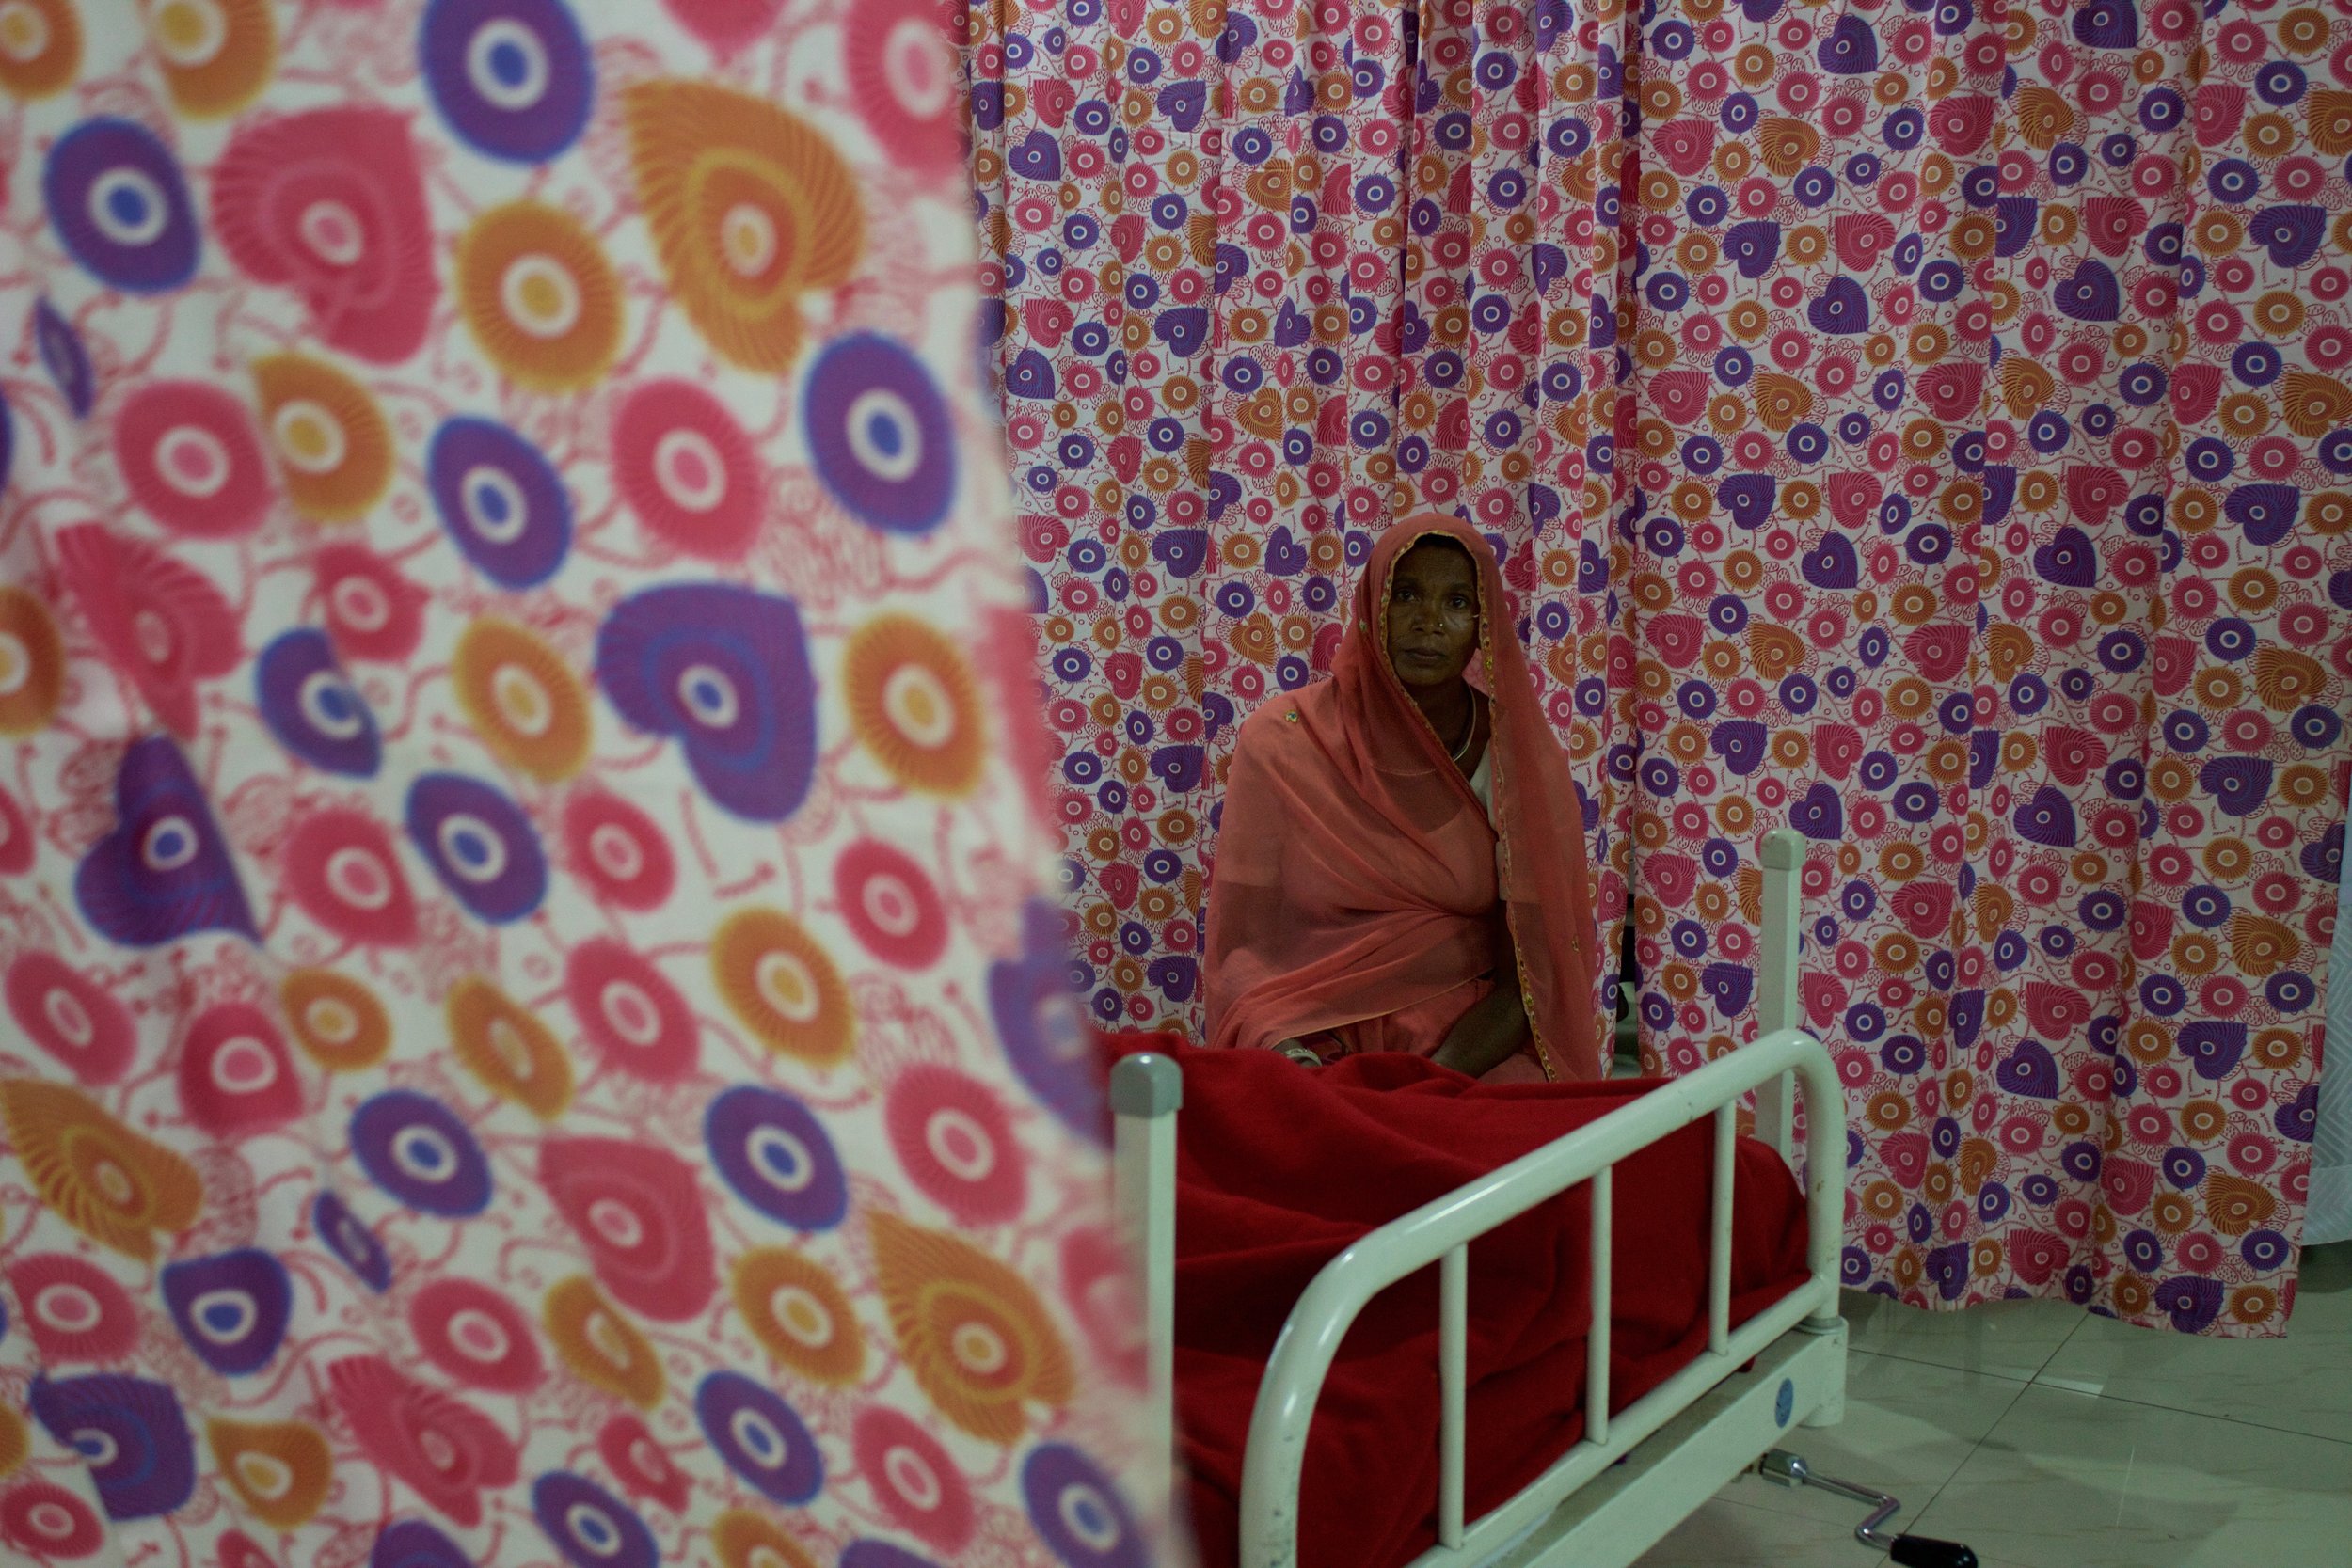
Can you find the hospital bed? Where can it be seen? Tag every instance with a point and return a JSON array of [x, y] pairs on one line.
[[1637, 1472]]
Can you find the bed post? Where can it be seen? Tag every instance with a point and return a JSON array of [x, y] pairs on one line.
[[1780, 1007], [1777, 1006], [1147, 1090]]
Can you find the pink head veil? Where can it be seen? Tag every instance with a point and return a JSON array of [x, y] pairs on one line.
[[1355, 874]]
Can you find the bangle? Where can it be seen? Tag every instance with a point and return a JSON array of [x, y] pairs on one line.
[[1303, 1056]]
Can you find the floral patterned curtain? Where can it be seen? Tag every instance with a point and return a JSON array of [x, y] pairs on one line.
[[1269, 275], [1923, 424], [529, 1030]]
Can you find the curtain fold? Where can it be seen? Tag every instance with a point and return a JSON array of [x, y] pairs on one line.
[[2015, 395], [1922, 425], [2330, 1215]]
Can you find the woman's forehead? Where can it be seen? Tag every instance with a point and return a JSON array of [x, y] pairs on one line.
[[1428, 564]]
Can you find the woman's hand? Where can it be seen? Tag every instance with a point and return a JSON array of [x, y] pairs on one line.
[[1488, 1036]]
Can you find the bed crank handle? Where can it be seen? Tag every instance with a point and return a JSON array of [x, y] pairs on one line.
[[1907, 1551]]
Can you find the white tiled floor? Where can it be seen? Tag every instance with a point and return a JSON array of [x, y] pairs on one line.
[[2046, 1437]]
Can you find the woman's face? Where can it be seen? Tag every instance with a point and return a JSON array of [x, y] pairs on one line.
[[1433, 614]]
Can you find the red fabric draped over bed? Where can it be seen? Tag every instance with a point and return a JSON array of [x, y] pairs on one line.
[[1280, 1168]]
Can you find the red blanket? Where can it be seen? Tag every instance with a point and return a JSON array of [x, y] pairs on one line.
[[1280, 1168]]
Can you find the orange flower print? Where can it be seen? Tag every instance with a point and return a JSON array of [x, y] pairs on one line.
[[782, 987], [279, 1469], [745, 1540], [333, 447], [217, 54], [16, 1443], [525, 704], [539, 297], [601, 1347], [503, 1044], [32, 664], [41, 47], [750, 209], [974, 1333], [336, 1020], [799, 1315], [2235, 1204], [914, 705], [100, 1178]]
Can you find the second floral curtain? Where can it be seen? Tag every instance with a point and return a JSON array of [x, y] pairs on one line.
[[1920, 424], [1270, 275]]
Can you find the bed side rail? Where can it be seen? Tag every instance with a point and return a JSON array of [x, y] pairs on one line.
[[1440, 1232]]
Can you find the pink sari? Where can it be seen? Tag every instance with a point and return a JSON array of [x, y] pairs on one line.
[[1363, 900]]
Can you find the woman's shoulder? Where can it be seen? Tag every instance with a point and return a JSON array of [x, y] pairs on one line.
[[1273, 724], [1280, 708]]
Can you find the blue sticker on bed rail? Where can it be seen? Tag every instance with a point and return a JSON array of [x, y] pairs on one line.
[[1784, 1402]]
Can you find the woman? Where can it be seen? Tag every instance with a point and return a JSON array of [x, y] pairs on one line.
[[1401, 864]]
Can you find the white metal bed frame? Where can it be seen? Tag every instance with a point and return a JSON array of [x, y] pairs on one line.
[[1678, 1444]]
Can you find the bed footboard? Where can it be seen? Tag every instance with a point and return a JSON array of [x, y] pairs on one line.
[[1441, 1233]]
